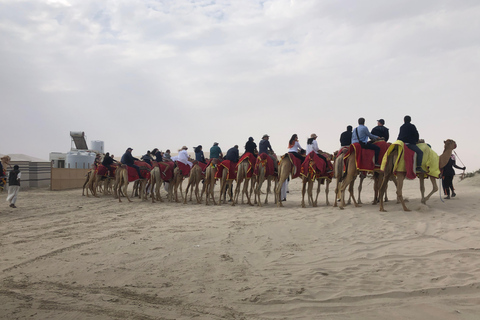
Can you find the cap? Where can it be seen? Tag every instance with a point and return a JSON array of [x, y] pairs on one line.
[[381, 121], [265, 136]]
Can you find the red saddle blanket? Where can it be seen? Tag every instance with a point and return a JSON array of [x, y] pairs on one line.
[[103, 171], [184, 168], [230, 167], [133, 174], [365, 158], [203, 166], [264, 160], [297, 165], [250, 157], [166, 171], [316, 167]]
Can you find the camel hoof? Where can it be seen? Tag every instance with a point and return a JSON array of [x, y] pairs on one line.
[[383, 210]]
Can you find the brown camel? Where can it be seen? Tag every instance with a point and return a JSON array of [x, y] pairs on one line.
[[224, 183], [209, 182], [174, 184], [449, 146], [242, 177], [121, 183], [307, 186], [194, 181], [260, 179], [285, 167], [346, 178], [155, 184]]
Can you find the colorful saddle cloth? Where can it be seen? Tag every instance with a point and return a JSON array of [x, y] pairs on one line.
[[250, 157], [184, 168], [297, 165], [264, 160], [315, 167], [144, 171], [365, 158], [103, 171], [166, 171], [406, 160], [230, 167]]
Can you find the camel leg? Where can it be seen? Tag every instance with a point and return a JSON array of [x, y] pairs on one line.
[[434, 189], [327, 187], [400, 179], [310, 192], [360, 187], [304, 189], [319, 185]]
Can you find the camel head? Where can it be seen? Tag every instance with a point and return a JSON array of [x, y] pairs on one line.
[[450, 144], [6, 159]]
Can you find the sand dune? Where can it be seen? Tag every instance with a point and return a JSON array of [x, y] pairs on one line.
[[64, 256]]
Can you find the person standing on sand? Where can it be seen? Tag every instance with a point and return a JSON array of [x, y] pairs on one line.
[[14, 185], [447, 176]]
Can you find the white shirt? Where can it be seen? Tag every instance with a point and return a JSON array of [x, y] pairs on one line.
[[312, 147], [296, 147], [183, 158]]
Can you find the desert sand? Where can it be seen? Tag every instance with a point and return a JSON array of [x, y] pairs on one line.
[[64, 256]]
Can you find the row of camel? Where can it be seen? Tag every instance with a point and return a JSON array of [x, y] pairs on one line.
[[346, 173]]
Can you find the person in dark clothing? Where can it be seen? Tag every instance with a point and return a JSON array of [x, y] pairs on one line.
[[147, 157], [129, 160], [264, 145], [380, 130], [409, 135], [157, 154], [108, 161], [233, 154], [346, 137], [14, 185], [447, 177], [251, 146], [199, 156]]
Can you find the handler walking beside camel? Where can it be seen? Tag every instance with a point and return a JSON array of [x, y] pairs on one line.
[[409, 135], [361, 134]]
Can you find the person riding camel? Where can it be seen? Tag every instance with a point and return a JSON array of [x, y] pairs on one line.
[[215, 151], [312, 145], [107, 162], [410, 136], [361, 134], [251, 147], [183, 157], [129, 160], [346, 137], [147, 157], [295, 148], [380, 130], [159, 159], [199, 156], [265, 147], [232, 154]]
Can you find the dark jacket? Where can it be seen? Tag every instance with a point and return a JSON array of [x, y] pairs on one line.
[[408, 133], [448, 169], [264, 146], [250, 146], [128, 159], [158, 156], [200, 157], [346, 138], [13, 178], [381, 131], [233, 155], [107, 161]]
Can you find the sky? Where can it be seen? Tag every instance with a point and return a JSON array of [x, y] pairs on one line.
[[164, 74]]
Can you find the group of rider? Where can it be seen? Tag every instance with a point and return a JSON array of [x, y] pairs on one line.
[[408, 134]]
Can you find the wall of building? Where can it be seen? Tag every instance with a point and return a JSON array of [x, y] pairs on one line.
[[34, 174], [65, 178]]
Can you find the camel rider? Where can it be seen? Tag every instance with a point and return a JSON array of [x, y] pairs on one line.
[[215, 151], [380, 130], [409, 135], [233, 154], [361, 134], [147, 157], [294, 147], [97, 160], [129, 160], [346, 137], [183, 157], [265, 147], [159, 159], [167, 156], [199, 156], [312, 145], [251, 146], [107, 162]]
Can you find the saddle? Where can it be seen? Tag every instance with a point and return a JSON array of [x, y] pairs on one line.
[[250, 157], [264, 160], [230, 167], [365, 158], [316, 167]]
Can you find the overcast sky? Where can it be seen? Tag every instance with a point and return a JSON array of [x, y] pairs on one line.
[[164, 74]]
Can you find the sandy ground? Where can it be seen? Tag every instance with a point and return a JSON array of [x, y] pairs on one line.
[[64, 256]]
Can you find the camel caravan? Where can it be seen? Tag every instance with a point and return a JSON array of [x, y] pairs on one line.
[[242, 178]]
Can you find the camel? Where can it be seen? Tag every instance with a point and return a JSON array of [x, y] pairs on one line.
[[309, 182], [224, 183], [174, 184], [155, 184], [242, 177], [209, 182], [193, 181], [121, 183], [347, 179], [284, 169], [87, 179], [5, 160], [449, 146], [260, 179]]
